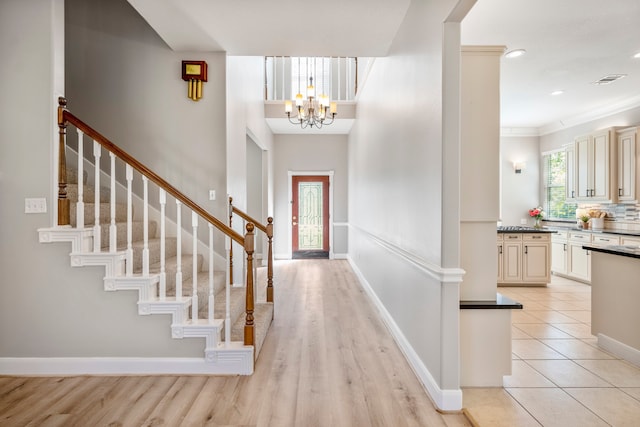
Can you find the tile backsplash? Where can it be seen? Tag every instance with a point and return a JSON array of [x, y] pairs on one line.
[[619, 216]]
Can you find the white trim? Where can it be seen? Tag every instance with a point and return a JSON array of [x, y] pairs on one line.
[[444, 275], [233, 361], [445, 400], [291, 174], [619, 349]]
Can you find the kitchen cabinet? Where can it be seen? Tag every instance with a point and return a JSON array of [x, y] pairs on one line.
[[570, 173], [524, 258], [536, 258], [630, 241], [594, 155], [626, 148], [559, 253], [500, 258], [579, 265]]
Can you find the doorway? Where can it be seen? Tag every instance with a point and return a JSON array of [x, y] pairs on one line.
[[310, 226]]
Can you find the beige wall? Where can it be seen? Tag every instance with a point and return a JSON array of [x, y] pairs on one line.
[[310, 153]]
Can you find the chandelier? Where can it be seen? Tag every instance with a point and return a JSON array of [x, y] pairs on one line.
[[311, 111]]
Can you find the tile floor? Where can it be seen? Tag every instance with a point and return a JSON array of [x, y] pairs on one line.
[[559, 375]]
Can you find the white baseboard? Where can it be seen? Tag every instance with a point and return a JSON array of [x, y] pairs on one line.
[[69, 366], [445, 400], [619, 349]]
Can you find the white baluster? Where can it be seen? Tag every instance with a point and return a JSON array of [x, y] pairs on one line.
[[227, 319], [80, 204], [96, 210], [129, 262], [211, 276], [194, 288], [145, 227], [163, 273], [178, 250], [113, 231]]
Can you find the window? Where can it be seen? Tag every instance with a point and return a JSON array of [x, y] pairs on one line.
[[554, 176]]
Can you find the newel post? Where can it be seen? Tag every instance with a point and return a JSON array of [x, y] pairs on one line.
[[64, 214], [270, 260], [249, 328], [231, 249]]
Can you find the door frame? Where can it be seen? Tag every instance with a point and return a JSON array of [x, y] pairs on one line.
[[291, 174]]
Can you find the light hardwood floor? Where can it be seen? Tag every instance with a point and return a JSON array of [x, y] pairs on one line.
[[328, 361]]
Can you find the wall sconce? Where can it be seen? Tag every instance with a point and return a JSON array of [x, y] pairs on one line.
[[194, 73], [518, 166]]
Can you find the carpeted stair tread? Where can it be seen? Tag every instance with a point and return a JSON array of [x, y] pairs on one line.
[[72, 175], [137, 233], [88, 194], [104, 215], [262, 318]]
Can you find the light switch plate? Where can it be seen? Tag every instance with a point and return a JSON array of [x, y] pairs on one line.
[[212, 194], [523, 221], [38, 205]]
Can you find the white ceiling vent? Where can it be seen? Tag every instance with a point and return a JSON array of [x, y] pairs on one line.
[[609, 79]]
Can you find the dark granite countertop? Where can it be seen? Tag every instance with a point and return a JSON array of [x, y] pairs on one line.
[[523, 229], [501, 302], [631, 251], [604, 231]]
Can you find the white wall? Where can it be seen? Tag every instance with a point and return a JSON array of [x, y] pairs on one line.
[[396, 197], [245, 118], [520, 192], [310, 153], [53, 310]]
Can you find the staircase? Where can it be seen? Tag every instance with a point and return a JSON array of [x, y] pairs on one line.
[[189, 286]]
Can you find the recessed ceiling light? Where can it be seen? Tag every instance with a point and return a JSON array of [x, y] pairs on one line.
[[515, 53], [557, 92]]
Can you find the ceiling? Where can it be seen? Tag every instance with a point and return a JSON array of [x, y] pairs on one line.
[[569, 43]]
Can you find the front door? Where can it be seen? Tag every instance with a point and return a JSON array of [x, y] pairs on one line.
[[310, 216]]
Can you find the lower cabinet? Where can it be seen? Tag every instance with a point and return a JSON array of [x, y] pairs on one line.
[[536, 258], [524, 258], [559, 252], [569, 259]]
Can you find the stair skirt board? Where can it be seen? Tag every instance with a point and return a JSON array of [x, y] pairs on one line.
[[236, 359], [233, 358]]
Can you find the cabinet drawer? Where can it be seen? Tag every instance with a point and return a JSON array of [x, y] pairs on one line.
[[512, 237], [633, 241], [560, 235], [500, 237], [535, 237], [580, 237], [606, 240]]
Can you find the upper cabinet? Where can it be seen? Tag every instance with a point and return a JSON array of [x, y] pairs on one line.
[[570, 172], [626, 148], [601, 167], [594, 157]]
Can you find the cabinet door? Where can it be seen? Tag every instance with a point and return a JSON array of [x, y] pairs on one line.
[[582, 164], [579, 262], [559, 257], [570, 173], [600, 164], [626, 145], [535, 262], [512, 262], [500, 262]]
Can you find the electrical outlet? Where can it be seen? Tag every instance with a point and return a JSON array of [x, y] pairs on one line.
[[212, 194], [523, 221], [35, 205]]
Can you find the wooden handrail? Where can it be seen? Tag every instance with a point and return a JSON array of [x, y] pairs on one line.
[[268, 230], [64, 117]]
